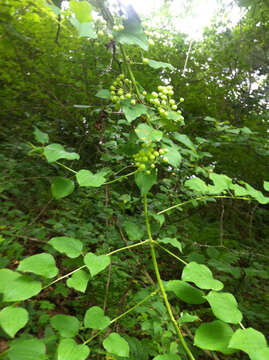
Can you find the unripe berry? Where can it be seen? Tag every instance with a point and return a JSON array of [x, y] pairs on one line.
[[151, 42], [148, 172], [156, 102], [181, 99], [165, 159], [128, 96], [133, 102], [122, 97], [154, 94], [152, 166], [144, 93], [156, 153], [171, 92], [165, 150], [121, 76], [120, 92], [121, 27], [142, 167], [115, 28], [110, 36], [161, 151], [145, 60], [100, 33], [163, 102], [172, 102], [174, 107]]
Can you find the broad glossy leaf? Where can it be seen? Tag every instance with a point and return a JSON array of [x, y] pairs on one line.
[[167, 357], [261, 354], [87, 178], [248, 340], [103, 94], [12, 319], [82, 10], [201, 276], [214, 336], [79, 280], [95, 319], [68, 326], [173, 156], [132, 112], [172, 241], [54, 152], [32, 349], [224, 307], [148, 134], [69, 350], [84, 29], [185, 140], [115, 344], [133, 32], [198, 185], [266, 185], [135, 232], [67, 245], [185, 292], [257, 195], [159, 64], [40, 136], [145, 181], [239, 190], [221, 183], [40, 264], [96, 263], [17, 287], [61, 187], [186, 318]]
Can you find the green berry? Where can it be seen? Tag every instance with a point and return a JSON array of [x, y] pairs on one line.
[[152, 166], [121, 76], [115, 28], [172, 102], [133, 102], [154, 94], [110, 36], [174, 107], [161, 151], [120, 92], [144, 93], [121, 27], [165, 150], [165, 159], [142, 167], [163, 102], [156, 102], [148, 172], [156, 153], [100, 33], [128, 96], [181, 99], [145, 60], [122, 97], [112, 87]]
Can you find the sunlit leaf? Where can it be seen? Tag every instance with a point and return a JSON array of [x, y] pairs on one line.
[[96, 263], [67, 245], [12, 319], [40, 264], [115, 344], [95, 319], [201, 276]]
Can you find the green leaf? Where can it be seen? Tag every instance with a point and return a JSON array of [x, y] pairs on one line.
[[201, 276], [116, 345], [95, 319], [239, 190], [172, 241], [69, 350], [248, 340], [40, 264], [133, 32], [145, 181], [214, 336], [261, 354], [82, 10], [84, 29], [68, 326], [103, 94], [257, 195], [224, 307], [186, 318], [160, 218], [61, 187], [67, 245], [221, 183], [79, 280], [96, 263], [40, 136], [196, 184], [185, 292], [12, 319], [54, 152], [135, 232], [173, 156], [266, 185], [54, 8], [32, 349], [167, 357], [132, 112], [185, 140], [17, 287], [148, 134], [159, 64], [87, 178]]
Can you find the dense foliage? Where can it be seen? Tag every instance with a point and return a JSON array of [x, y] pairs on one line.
[[134, 184]]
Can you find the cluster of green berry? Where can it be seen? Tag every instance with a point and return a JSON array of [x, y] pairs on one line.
[[103, 31], [164, 102], [121, 89], [146, 158]]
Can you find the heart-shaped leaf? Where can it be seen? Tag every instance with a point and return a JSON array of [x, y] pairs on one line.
[[145, 181], [54, 152], [61, 187], [31, 349], [87, 178], [79, 280], [67, 245], [185, 292], [115, 344], [12, 319], [68, 326], [96, 263], [69, 350], [201, 276], [40, 264], [172, 241], [95, 319], [248, 340]]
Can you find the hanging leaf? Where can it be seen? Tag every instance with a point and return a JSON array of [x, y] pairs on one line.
[[261, 354], [132, 112], [69, 350], [67, 245], [87, 178], [221, 183], [115, 344], [201, 276], [187, 318], [224, 307], [214, 336], [266, 185], [148, 134], [196, 184], [61, 187], [68, 326], [12, 319], [167, 357], [79, 280], [135, 232], [103, 94], [40, 136], [54, 152], [185, 292], [40, 264], [82, 10], [185, 140], [16, 287], [96, 263], [159, 64], [248, 340], [172, 241], [257, 195], [32, 349], [145, 181], [133, 32], [84, 29], [173, 156], [95, 319]]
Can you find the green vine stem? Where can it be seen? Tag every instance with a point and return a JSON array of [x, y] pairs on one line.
[[170, 252], [159, 280], [122, 315], [203, 198]]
